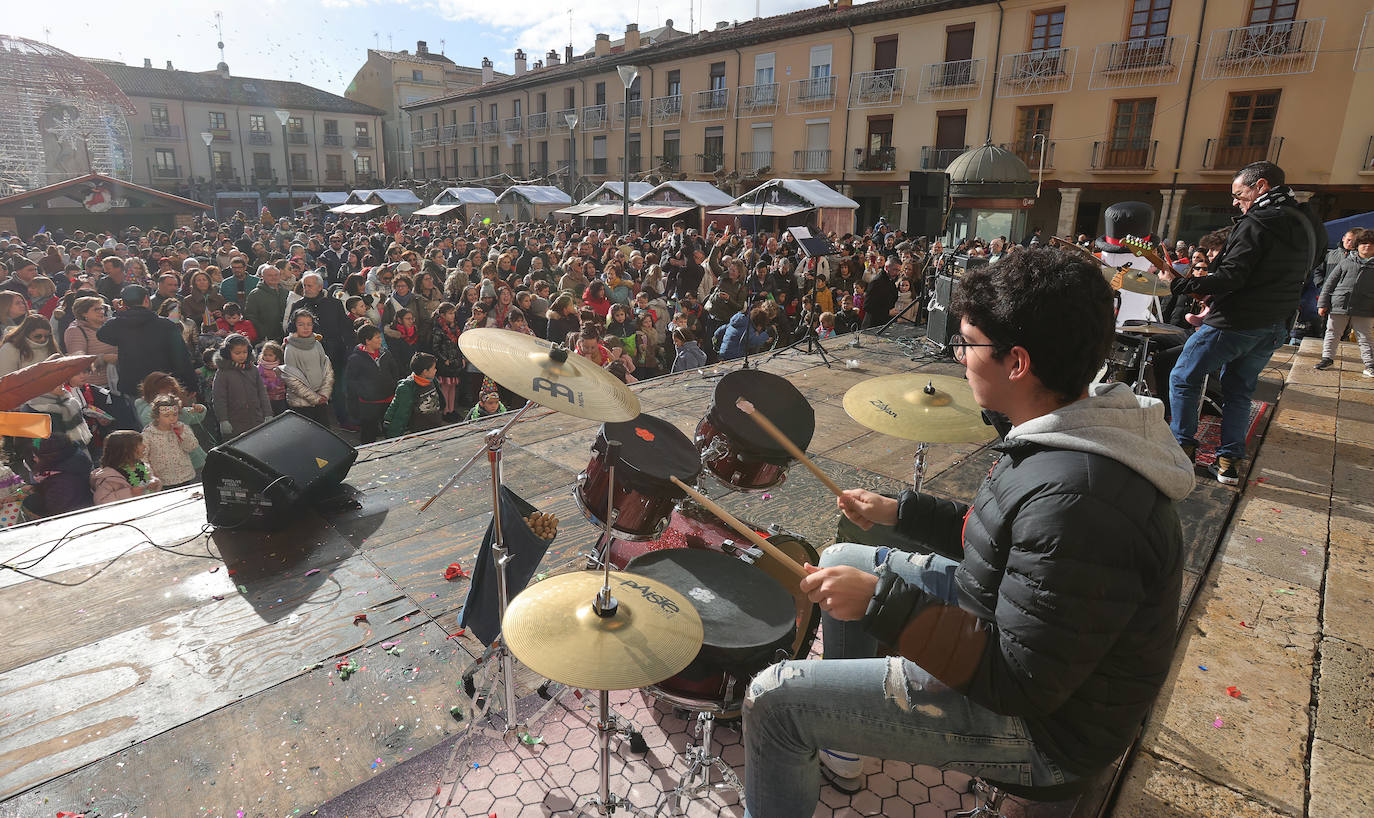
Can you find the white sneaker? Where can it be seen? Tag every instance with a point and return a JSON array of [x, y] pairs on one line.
[[844, 771], [1368, 373]]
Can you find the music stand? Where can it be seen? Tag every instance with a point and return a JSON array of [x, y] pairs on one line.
[[811, 247]]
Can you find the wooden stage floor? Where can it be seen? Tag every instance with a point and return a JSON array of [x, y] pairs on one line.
[[155, 668]]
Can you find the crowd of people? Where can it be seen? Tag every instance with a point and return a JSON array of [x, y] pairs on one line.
[[355, 324]]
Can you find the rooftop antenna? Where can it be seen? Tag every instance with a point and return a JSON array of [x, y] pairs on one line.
[[570, 26], [691, 16], [390, 46], [442, 43], [47, 35], [219, 29], [376, 41]]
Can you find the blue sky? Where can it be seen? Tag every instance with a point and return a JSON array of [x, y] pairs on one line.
[[324, 42]]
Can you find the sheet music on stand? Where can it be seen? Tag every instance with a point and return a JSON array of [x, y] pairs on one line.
[[812, 246]]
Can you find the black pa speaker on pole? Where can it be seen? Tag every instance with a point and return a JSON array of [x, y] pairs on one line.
[[927, 200], [260, 478], [940, 325]]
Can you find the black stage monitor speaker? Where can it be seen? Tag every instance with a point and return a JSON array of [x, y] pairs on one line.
[[258, 479], [940, 325], [927, 200]]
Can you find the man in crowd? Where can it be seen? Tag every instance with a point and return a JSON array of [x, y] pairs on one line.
[[266, 307], [146, 343]]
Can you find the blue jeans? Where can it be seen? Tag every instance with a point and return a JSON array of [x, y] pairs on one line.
[[884, 707], [1241, 355]]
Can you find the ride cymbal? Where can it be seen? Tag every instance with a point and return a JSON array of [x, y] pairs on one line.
[[926, 408], [1153, 328], [554, 629], [550, 376]]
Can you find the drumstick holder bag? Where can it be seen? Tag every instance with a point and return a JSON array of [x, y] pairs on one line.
[[482, 610]]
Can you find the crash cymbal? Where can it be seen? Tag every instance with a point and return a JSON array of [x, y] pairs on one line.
[[927, 408], [1152, 328], [1139, 281], [550, 376], [553, 628]]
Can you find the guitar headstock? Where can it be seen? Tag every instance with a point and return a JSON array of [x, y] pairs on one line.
[[1144, 249]]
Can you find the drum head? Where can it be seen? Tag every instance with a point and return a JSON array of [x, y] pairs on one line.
[[653, 449], [744, 612], [776, 398]]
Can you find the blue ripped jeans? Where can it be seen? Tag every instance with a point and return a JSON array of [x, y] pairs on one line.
[[884, 707]]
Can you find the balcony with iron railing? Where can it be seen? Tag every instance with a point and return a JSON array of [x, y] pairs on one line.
[[300, 174], [470, 171], [594, 166], [755, 161], [487, 131], [593, 118], [760, 99], [1045, 71], [169, 132], [710, 105], [1138, 63], [512, 125], [877, 160], [166, 171], [710, 162], [332, 140], [877, 89], [935, 158], [335, 175], [362, 141], [670, 163], [221, 134], [1233, 154], [298, 138], [811, 94], [467, 132], [636, 163], [263, 178], [448, 135], [260, 137], [1029, 152], [539, 168], [225, 174], [366, 181], [516, 169], [491, 169], [636, 111], [1265, 50], [951, 81], [1135, 155], [811, 161], [560, 118], [665, 110], [537, 124]]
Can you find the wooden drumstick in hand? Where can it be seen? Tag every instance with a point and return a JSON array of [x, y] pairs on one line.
[[783, 440], [749, 533]]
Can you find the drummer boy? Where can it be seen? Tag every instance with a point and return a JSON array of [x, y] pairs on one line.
[[1023, 649]]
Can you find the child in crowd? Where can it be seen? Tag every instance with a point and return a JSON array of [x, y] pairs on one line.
[[192, 414], [689, 354], [123, 472], [369, 382], [646, 346], [443, 341], [170, 443], [488, 404], [231, 320], [240, 396], [417, 404], [589, 345], [827, 326], [306, 370], [356, 308], [402, 336], [619, 364], [269, 367]]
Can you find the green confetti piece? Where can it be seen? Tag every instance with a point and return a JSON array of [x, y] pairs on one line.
[[243, 589], [1286, 591], [529, 739]]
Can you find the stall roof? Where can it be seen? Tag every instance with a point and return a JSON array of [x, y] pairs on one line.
[[329, 197], [537, 194], [436, 209], [466, 195], [615, 209], [664, 212], [704, 194], [755, 210], [818, 193], [394, 196], [79, 186], [617, 189], [574, 210], [355, 209], [360, 195]]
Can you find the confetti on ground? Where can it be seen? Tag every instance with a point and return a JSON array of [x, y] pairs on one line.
[[456, 712], [312, 571], [529, 739], [1233, 692], [376, 764], [1288, 591], [1217, 723], [395, 650], [768, 497], [454, 571], [346, 668], [362, 617], [1201, 667], [1304, 552], [243, 589]]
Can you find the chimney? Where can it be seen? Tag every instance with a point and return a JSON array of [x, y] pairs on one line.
[[603, 45], [567, 54], [488, 70], [631, 36], [721, 25], [169, 66], [147, 62], [223, 69], [551, 59], [421, 48], [538, 64], [519, 61]]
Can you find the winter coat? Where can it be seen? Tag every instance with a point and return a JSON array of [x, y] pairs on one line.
[[62, 471], [80, 338], [266, 308], [229, 288], [308, 364], [109, 484], [189, 415], [169, 453], [446, 351], [240, 395], [369, 383], [731, 338], [415, 408], [1349, 289], [10, 358], [331, 322], [1069, 576], [196, 305], [147, 343], [689, 356]]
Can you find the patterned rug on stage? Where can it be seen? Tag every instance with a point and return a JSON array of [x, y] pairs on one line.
[[1209, 432]]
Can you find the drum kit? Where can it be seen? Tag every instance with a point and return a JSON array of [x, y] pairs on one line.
[[679, 598]]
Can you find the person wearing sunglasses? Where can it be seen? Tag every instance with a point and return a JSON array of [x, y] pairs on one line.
[[1030, 642]]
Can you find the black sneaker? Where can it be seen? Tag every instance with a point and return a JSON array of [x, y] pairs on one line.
[[1225, 471], [1324, 363]]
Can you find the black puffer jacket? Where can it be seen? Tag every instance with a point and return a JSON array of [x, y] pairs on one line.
[[1259, 275], [1069, 578]]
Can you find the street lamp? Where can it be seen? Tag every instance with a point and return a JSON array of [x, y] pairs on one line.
[[286, 156], [207, 138], [355, 168], [571, 119], [628, 75]]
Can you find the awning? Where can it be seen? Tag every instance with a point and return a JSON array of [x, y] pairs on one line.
[[359, 210], [573, 210], [308, 206], [436, 209], [342, 209], [603, 210], [658, 212], [754, 210]]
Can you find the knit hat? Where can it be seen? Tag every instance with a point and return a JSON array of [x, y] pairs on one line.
[[488, 289]]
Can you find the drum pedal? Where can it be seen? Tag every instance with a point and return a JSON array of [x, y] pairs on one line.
[[750, 555]]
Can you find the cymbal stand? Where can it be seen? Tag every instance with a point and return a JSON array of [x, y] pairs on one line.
[[1140, 387], [919, 469], [700, 761]]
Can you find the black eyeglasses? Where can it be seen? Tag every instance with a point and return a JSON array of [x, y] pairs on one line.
[[960, 347]]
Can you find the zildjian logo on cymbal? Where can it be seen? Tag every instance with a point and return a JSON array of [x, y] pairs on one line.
[[883, 407]]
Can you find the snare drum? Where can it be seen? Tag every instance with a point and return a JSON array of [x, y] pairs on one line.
[[747, 622], [701, 532], [651, 451], [734, 448]]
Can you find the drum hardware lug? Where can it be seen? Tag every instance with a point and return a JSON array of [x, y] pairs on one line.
[[750, 555]]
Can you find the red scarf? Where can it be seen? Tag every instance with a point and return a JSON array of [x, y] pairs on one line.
[[375, 355], [408, 334]]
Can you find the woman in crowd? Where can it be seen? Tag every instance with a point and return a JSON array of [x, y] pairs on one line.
[[27, 343]]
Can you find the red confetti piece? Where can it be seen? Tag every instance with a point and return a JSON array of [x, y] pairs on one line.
[[362, 617], [1233, 692], [454, 571]]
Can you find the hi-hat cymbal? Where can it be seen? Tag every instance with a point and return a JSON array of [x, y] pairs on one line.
[[552, 377], [927, 408], [1152, 328], [553, 627]]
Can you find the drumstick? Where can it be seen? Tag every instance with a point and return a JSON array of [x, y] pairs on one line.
[[730, 520], [783, 440]]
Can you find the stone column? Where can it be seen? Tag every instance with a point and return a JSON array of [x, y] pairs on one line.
[[1170, 211], [1068, 212]]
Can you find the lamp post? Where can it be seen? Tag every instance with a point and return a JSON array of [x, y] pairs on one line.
[[628, 75], [355, 168], [286, 156], [207, 138], [571, 119]]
